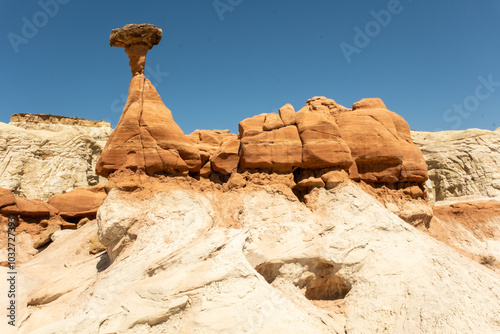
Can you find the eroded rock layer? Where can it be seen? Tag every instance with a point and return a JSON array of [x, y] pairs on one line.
[[288, 227], [39, 160], [147, 138], [461, 163], [267, 263], [371, 142]]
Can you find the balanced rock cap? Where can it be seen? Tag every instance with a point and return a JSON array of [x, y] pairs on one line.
[[137, 39], [131, 34]]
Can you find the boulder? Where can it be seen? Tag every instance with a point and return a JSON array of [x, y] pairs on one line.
[[206, 170], [208, 142], [272, 121], [45, 236], [81, 202], [225, 159], [287, 114], [65, 155], [369, 103], [6, 198], [461, 163], [29, 208], [334, 178], [147, 138], [323, 105], [311, 182]]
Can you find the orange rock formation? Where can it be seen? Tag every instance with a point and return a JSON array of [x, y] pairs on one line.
[[146, 137], [368, 141]]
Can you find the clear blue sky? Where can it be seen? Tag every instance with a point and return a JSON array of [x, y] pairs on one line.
[[262, 54]]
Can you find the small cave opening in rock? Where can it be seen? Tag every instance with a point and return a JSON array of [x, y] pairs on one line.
[[326, 288], [317, 280]]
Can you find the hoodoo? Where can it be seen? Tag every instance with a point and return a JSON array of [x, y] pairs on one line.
[[146, 137]]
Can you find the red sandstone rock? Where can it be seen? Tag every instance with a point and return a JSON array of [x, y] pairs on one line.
[[29, 208], [323, 105], [225, 159], [81, 202], [323, 145], [334, 178], [287, 114], [146, 137], [311, 182], [137, 39], [206, 170], [277, 150], [6, 198], [272, 121], [381, 145], [220, 147]]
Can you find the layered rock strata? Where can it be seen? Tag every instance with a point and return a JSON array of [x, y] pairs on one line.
[[146, 137], [98, 130], [461, 163], [267, 263], [324, 134], [38, 160]]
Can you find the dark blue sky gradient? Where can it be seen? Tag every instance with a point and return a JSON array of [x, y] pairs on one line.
[[262, 55]]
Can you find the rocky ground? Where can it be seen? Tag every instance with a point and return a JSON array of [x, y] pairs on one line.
[[180, 260]]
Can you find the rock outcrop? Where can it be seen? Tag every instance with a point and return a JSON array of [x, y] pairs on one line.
[[323, 139], [339, 263], [79, 203], [373, 143], [98, 130], [146, 137], [38, 120], [218, 151], [461, 163], [276, 149], [381, 145], [14, 205], [39, 160], [323, 145]]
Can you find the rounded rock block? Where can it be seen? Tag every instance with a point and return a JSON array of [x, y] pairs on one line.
[[380, 144], [277, 150], [322, 143]]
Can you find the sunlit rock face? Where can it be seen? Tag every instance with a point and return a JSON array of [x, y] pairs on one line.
[[45, 155], [461, 163], [182, 260], [146, 137]]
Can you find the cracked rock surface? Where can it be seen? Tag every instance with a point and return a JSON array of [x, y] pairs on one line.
[[461, 163]]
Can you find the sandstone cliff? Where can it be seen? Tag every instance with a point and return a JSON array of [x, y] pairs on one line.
[[461, 163], [99, 130], [41, 159]]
